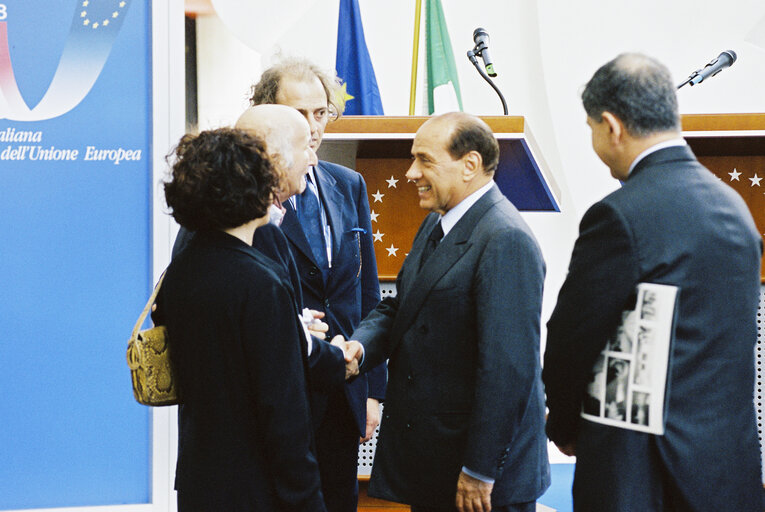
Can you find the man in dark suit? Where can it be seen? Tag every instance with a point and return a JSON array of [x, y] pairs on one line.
[[329, 229], [672, 222], [464, 411]]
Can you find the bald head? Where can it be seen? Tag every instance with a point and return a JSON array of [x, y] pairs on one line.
[[287, 137]]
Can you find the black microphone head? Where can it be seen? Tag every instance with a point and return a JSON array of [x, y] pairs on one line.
[[480, 34]]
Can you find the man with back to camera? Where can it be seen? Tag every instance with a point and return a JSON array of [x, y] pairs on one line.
[[464, 413], [672, 222], [329, 229]]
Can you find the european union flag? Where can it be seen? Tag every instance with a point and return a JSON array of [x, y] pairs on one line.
[[354, 65]]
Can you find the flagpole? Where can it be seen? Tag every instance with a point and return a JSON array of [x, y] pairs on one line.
[[415, 54]]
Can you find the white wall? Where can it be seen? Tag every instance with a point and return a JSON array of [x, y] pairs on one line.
[[544, 53]]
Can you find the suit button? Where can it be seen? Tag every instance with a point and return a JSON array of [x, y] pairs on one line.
[[313, 271], [409, 426], [409, 378]]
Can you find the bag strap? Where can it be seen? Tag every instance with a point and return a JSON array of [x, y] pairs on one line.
[[153, 297]]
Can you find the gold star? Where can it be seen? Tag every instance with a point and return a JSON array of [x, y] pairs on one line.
[[86, 22], [105, 22], [344, 91], [85, 3], [122, 4], [115, 14], [95, 25], [83, 14]]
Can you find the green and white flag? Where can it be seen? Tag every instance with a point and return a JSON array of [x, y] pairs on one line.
[[443, 83]]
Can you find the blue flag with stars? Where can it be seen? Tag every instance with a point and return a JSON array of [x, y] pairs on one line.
[[354, 65]]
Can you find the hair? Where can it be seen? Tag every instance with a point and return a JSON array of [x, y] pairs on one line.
[[267, 88], [471, 133], [638, 90], [220, 179]]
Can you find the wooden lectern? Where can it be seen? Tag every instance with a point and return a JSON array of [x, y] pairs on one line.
[[732, 146], [379, 147]]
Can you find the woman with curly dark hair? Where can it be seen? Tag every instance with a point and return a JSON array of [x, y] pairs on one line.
[[244, 440]]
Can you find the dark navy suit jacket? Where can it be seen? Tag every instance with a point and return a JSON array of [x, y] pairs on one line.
[[351, 289], [465, 388], [674, 223]]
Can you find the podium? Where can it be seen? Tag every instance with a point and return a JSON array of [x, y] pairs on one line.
[[732, 146], [379, 147]]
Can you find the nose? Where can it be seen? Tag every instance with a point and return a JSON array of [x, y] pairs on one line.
[[413, 173], [312, 158]]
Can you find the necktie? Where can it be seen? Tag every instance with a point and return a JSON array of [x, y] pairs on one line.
[[309, 216], [432, 242]]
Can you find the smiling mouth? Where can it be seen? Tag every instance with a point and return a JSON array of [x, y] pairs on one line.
[[422, 189]]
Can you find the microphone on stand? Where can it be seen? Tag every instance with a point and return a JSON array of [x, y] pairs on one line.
[[722, 61], [481, 40], [481, 49]]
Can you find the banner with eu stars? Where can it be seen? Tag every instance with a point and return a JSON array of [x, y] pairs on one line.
[[75, 250]]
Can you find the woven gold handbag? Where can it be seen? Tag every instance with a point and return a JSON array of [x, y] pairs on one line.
[[148, 357]]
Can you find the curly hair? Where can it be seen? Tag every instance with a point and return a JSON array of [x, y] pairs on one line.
[[267, 88], [220, 179]]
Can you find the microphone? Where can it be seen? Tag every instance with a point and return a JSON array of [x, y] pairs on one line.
[[722, 61], [481, 40]]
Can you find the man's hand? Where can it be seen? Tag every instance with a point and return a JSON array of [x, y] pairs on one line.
[[373, 419], [352, 353], [473, 495], [567, 449], [316, 327]]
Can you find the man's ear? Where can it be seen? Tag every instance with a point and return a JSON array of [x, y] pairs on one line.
[[473, 164], [615, 127]]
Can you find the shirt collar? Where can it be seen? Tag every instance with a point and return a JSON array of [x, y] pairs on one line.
[[450, 218], [656, 147]]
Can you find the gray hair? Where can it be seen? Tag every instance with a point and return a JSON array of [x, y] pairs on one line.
[[638, 90]]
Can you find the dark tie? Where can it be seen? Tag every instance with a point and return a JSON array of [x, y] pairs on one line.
[[309, 215], [431, 243]]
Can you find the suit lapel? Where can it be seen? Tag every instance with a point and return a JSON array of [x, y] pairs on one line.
[[294, 232], [333, 201], [451, 249]]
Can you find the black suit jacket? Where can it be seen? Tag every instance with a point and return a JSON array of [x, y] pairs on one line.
[[672, 223], [351, 289], [464, 384], [245, 438]]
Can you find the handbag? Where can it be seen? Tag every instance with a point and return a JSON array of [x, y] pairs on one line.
[[148, 357]]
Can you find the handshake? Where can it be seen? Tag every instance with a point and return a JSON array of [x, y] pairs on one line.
[[352, 353]]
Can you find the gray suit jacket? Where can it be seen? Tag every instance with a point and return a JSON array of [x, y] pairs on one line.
[[464, 386], [672, 223]]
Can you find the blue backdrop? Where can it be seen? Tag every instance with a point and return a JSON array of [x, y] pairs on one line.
[[75, 250]]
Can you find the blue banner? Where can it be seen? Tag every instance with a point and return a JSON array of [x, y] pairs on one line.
[[75, 249], [354, 65]]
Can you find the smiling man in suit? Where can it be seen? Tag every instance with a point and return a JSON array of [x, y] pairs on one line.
[[673, 223], [329, 229], [464, 412]]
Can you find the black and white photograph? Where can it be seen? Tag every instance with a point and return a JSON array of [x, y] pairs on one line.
[[616, 389], [640, 408]]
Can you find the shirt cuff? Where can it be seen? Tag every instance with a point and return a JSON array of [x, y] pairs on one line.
[[478, 476]]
